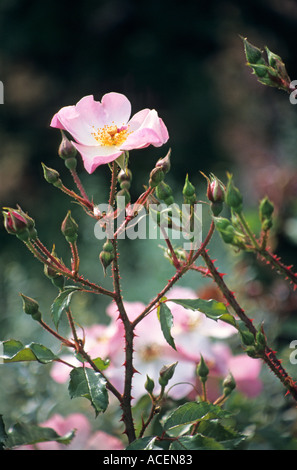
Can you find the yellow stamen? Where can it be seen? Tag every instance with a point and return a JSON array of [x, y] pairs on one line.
[[111, 135]]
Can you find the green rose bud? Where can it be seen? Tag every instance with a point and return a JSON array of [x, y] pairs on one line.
[[164, 193], [166, 373], [229, 385], [156, 176], [164, 163], [266, 209], [69, 228], [202, 370], [66, 148], [189, 192], [149, 385], [233, 196], [106, 258], [51, 176], [226, 229], [125, 178], [31, 307]]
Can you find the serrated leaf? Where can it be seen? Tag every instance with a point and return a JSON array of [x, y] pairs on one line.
[[166, 321], [61, 303], [15, 351], [85, 382], [192, 412], [211, 308], [197, 442], [27, 434], [144, 443], [228, 437]]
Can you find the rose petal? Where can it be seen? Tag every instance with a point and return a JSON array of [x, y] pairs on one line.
[[94, 156], [117, 108]]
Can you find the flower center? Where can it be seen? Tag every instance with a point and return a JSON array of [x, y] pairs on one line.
[[110, 135], [150, 352]]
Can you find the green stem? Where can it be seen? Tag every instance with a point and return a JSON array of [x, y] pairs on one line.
[[248, 231]]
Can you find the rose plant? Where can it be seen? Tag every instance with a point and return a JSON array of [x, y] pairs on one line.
[[171, 351]]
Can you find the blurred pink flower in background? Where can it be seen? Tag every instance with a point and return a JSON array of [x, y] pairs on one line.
[[84, 438], [194, 334], [103, 130]]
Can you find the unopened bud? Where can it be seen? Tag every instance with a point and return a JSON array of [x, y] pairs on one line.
[[69, 228], [66, 148], [189, 192], [253, 53], [233, 196], [51, 176], [31, 307], [164, 193], [166, 373], [229, 384], [226, 229], [266, 209], [156, 176], [106, 258], [215, 190], [202, 370], [17, 222], [125, 178], [164, 163], [149, 385]]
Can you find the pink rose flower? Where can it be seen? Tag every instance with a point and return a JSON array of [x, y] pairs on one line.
[[84, 439], [194, 334], [103, 130]]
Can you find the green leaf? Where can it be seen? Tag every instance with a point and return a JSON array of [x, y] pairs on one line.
[[27, 434], [228, 437], [85, 382], [166, 321], [192, 412], [145, 443], [102, 364], [15, 351], [61, 303], [211, 308], [197, 442]]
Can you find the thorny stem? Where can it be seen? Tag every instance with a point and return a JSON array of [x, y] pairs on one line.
[[175, 278], [83, 201], [261, 250], [66, 272], [275, 261], [268, 356], [75, 258], [129, 335]]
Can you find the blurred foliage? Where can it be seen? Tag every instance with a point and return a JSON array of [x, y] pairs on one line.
[[186, 60]]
